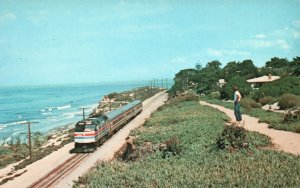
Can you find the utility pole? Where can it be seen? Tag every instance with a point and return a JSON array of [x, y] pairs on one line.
[[110, 104], [167, 83], [28, 123], [162, 83], [187, 82], [149, 90], [83, 113]]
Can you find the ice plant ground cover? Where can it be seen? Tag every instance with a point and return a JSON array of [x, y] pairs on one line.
[[195, 159]]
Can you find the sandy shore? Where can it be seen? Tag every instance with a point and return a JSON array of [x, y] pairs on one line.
[[106, 152], [283, 140]]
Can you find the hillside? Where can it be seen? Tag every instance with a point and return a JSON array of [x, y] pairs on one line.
[[177, 148]]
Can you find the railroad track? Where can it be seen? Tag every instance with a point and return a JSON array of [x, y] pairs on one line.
[[56, 174], [150, 103], [53, 176]]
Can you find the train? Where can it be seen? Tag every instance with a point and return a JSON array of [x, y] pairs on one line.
[[91, 132]]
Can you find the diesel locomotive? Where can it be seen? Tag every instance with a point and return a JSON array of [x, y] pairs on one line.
[[92, 132]]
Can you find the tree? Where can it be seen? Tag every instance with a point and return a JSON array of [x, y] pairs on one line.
[[276, 62], [198, 66], [181, 80], [242, 85], [230, 70], [295, 62], [296, 71], [213, 65], [247, 68], [295, 66], [278, 87]]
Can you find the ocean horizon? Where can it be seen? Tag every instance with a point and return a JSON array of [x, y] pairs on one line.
[[51, 106]]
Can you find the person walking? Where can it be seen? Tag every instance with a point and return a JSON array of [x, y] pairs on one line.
[[237, 98]]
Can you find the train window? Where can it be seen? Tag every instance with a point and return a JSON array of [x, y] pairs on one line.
[[90, 128], [79, 127]]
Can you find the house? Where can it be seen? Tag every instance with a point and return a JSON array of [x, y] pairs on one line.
[[221, 82], [256, 82]]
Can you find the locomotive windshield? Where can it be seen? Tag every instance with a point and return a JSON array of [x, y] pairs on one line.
[[90, 128], [79, 127], [91, 124], [84, 126]]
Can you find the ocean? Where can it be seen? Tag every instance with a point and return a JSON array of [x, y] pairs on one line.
[[50, 106]]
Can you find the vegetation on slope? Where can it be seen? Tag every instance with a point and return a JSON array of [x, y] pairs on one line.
[[189, 133]]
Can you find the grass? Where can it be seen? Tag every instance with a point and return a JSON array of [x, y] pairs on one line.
[[274, 119], [199, 163]]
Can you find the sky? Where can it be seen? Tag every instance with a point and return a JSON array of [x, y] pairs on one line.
[[85, 41]]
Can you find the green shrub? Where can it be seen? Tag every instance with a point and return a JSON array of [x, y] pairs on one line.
[[190, 97], [215, 95], [292, 116], [113, 95], [176, 100], [173, 147], [288, 100], [232, 137], [249, 103], [279, 87], [266, 100], [242, 84], [297, 129]]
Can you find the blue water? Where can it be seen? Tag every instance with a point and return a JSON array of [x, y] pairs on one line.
[[50, 106]]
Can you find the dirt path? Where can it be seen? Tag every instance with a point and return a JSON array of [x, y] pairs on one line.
[[106, 152], [283, 140]]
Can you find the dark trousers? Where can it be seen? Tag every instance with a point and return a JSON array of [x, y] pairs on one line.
[[237, 111]]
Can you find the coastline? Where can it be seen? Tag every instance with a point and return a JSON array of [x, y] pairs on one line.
[[57, 137], [51, 106]]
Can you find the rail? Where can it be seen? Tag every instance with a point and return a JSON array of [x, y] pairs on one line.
[[54, 175]]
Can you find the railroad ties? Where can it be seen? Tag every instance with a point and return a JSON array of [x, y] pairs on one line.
[[55, 175]]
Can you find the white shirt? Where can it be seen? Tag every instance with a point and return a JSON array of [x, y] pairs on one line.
[[236, 95]]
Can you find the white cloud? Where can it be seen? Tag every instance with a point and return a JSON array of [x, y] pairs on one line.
[[296, 34], [218, 53], [259, 43], [285, 38], [283, 44], [287, 33], [274, 43], [8, 16], [296, 23], [260, 36], [213, 52]]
